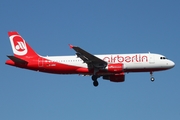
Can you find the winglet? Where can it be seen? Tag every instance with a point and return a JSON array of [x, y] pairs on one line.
[[71, 46]]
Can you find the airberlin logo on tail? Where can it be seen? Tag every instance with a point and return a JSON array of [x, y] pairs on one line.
[[18, 45]]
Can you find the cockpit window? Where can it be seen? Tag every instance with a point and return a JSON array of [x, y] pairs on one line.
[[163, 58]]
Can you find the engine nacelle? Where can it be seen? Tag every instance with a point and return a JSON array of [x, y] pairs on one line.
[[117, 67], [115, 78]]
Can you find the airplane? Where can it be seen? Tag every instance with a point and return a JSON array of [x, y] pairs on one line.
[[110, 67]]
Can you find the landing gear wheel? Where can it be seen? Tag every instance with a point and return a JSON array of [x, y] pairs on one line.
[[94, 78], [95, 83], [152, 79]]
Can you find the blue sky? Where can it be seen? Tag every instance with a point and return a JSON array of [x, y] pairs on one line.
[[100, 27]]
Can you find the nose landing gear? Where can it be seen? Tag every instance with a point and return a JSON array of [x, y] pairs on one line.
[[152, 78]]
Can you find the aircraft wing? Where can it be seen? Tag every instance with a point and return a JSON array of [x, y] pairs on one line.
[[88, 58]]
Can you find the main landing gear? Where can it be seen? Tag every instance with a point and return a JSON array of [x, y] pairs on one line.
[[95, 82], [152, 78]]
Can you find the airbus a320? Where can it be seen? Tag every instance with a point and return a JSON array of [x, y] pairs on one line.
[[110, 67]]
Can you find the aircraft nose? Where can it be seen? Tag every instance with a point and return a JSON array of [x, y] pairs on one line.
[[171, 64]]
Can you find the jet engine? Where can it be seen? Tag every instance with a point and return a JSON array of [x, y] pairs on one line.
[[117, 67], [115, 78]]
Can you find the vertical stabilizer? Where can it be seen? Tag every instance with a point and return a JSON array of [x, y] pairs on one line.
[[20, 47]]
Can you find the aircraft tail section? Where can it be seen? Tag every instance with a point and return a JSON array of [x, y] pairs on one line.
[[20, 47], [18, 60]]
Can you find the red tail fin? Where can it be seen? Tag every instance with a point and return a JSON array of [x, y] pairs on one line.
[[20, 47]]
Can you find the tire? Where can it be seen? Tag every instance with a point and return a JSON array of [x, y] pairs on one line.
[[95, 83], [152, 79]]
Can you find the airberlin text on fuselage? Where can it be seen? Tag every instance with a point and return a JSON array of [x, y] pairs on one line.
[[128, 58]]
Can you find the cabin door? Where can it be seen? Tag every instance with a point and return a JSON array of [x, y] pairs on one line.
[[40, 62], [151, 58]]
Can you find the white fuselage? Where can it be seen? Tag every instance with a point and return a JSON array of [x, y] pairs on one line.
[[131, 62]]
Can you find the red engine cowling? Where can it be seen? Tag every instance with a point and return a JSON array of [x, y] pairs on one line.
[[115, 78], [117, 67]]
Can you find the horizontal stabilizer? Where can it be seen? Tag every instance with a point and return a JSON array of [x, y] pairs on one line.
[[17, 60]]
